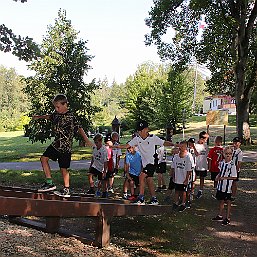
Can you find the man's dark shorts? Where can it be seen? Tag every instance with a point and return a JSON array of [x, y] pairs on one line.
[[223, 196], [214, 175], [64, 159], [180, 187], [201, 173], [149, 169], [110, 174], [96, 173], [161, 167]]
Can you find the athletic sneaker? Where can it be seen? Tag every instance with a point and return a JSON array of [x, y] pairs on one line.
[[125, 196], [182, 207], [46, 188], [174, 207], [225, 222], [164, 187], [65, 192], [154, 201], [139, 201], [91, 191], [132, 198], [98, 194], [188, 204], [158, 189], [110, 189], [199, 194], [104, 195], [217, 218]]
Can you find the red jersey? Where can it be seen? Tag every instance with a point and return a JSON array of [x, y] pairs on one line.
[[215, 155], [110, 158]]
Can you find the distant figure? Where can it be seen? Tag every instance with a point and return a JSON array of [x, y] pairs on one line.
[[237, 158], [65, 124], [225, 178], [98, 167], [215, 156]]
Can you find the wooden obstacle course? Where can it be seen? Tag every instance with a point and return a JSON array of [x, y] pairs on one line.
[[17, 203]]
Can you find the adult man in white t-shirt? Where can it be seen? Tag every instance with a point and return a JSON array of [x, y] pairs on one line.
[[146, 143]]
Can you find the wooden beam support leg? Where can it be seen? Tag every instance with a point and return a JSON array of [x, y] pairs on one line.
[[52, 224], [103, 233]]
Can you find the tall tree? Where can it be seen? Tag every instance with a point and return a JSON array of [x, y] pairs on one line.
[[228, 44], [61, 69]]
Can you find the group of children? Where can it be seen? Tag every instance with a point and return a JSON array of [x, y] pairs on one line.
[[143, 158]]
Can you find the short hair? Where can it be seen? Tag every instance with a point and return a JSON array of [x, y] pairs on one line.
[[202, 134], [218, 139], [98, 137], [60, 98], [228, 148], [183, 142], [114, 133]]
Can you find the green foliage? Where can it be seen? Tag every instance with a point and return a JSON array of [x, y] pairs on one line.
[[61, 68], [13, 102], [227, 47]]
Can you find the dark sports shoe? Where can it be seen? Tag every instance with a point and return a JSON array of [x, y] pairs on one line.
[[104, 195], [164, 187], [65, 192], [91, 191], [188, 204], [174, 207], [46, 188], [181, 208], [154, 201], [158, 189], [132, 198], [217, 218], [139, 201], [199, 194], [225, 222]]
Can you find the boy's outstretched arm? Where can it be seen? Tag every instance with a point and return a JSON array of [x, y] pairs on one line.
[[84, 136], [36, 117]]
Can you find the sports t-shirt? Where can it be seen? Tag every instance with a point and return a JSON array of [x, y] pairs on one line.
[[110, 158], [181, 166], [201, 159], [116, 153], [135, 163], [100, 156], [64, 127], [227, 169], [237, 156], [161, 154], [146, 147], [215, 155]]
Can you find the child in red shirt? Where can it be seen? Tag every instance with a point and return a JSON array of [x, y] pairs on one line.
[[214, 157]]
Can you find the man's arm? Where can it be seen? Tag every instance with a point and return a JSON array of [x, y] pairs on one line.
[[36, 117]]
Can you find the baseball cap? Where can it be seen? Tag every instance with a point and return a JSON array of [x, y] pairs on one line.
[[236, 139], [141, 125], [191, 140]]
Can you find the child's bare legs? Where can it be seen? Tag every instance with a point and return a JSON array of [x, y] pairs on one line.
[[150, 184], [201, 183], [228, 209], [91, 181], [142, 183], [221, 207], [234, 188], [66, 177], [45, 165], [161, 181], [176, 199], [132, 189]]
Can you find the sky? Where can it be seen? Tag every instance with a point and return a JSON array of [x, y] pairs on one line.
[[114, 30]]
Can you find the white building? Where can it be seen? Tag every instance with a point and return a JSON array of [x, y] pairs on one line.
[[219, 102]]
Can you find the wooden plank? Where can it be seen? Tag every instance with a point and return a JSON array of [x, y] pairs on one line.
[[60, 208]]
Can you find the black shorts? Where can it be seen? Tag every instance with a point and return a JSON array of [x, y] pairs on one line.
[[201, 173], [64, 159], [149, 169], [96, 173], [171, 184], [110, 174], [161, 167], [223, 196], [134, 178], [214, 175], [237, 178], [180, 187]]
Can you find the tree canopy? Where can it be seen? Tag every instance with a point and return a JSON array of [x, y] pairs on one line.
[[227, 46], [61, 68]]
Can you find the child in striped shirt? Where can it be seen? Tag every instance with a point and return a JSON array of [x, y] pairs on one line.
[[225, 179]]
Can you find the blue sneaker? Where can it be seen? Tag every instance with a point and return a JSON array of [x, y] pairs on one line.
[[139, 201], [154, 201], [104, 195], [98, 194]]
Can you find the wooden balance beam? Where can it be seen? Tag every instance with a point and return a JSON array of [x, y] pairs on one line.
[[17, 204]]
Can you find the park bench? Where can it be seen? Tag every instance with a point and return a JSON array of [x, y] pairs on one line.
[[20, 203]]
